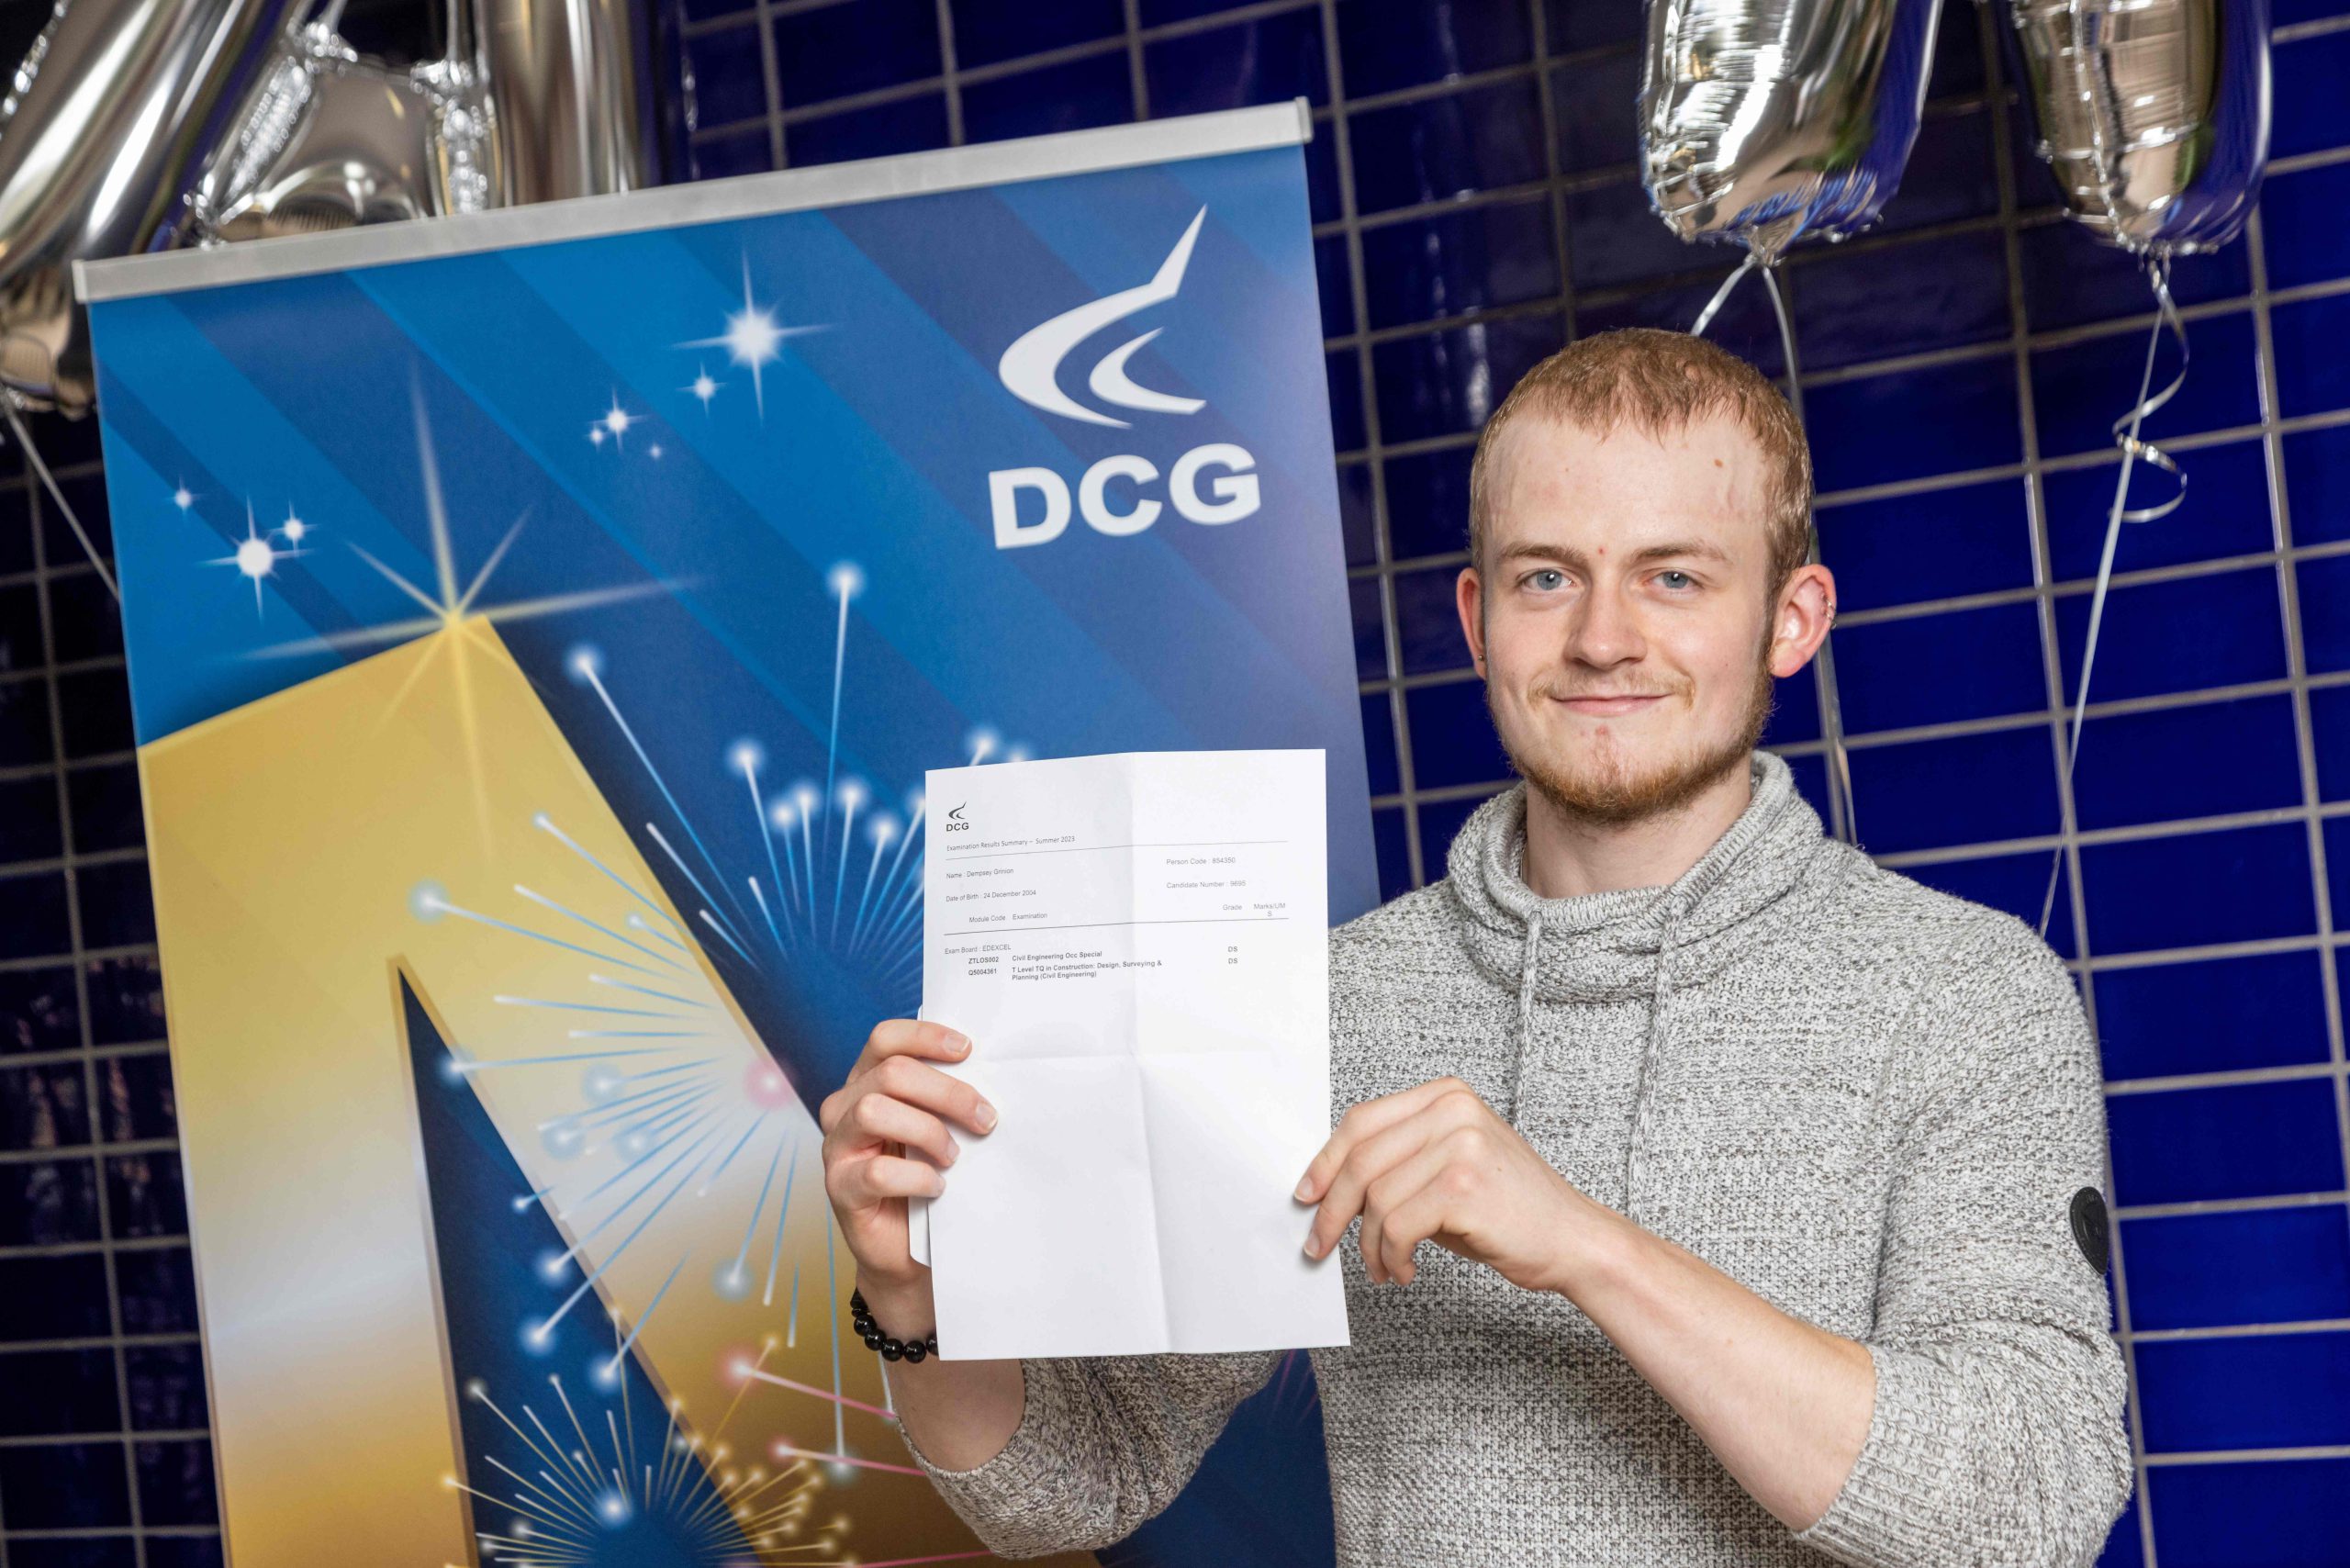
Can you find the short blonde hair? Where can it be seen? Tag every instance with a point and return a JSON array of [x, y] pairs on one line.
[[1658, 382]]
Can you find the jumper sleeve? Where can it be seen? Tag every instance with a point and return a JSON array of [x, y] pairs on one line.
[[1997, 1435], [1103, 1444]]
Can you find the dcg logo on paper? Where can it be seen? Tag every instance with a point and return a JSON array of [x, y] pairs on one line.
[[1215, 482]]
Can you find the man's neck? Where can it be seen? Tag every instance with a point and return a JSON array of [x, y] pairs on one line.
[[1567, 856]]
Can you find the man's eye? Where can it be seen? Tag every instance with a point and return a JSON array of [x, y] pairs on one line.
[[1676, 582], [1546, 580]]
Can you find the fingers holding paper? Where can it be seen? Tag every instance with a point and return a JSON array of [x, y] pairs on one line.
[[891, 1078], [893, 1106], [1435, 1163]]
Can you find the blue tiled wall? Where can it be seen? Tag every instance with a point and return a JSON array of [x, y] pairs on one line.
[[1476, 206]]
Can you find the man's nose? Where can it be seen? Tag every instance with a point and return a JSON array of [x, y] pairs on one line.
[[1606, 633]]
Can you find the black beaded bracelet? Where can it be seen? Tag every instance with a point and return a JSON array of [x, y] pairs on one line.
[[892, 1350]]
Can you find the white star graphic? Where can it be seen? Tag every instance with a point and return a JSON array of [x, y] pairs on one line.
[[182, 497], [753, 337], [704, 387], [615, 422], [255, 557]]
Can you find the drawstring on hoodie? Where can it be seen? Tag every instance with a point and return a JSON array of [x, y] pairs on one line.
[[1525, 1006], [1644, 1075], [1610, 948], [1651, 1048]]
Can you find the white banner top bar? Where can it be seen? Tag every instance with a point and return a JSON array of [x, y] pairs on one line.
[[668, 206]]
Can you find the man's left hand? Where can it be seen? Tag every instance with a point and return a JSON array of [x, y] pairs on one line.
[[1436, 1164]]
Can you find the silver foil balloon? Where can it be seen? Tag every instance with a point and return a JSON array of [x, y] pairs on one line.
[[98, 129], [532, 102], [328, 138], [1766, 120], [573, 93], [2153, 114]]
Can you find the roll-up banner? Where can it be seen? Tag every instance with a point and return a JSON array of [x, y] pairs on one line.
[[538, 625]]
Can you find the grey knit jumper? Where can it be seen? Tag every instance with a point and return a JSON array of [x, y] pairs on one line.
[[1869, 1102]]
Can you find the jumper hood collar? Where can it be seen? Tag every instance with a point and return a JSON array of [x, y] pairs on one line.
[[1608, 947], [1651, 942]]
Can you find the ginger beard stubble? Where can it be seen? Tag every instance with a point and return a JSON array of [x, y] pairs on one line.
[[1602, 781]]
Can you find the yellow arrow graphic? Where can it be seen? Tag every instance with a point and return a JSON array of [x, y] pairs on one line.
[[419, 814]]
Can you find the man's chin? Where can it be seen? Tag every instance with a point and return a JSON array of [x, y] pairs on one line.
[[1613, 796]]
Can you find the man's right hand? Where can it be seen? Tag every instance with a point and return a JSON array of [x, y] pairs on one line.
[[895, 1103]]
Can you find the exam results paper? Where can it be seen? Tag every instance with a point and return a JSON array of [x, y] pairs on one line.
[[1136, 946]]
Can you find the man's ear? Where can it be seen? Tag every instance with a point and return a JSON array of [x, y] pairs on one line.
[[1468, 598], [1806, 610]]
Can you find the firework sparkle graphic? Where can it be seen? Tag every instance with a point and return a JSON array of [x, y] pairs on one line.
[[676, 1105]]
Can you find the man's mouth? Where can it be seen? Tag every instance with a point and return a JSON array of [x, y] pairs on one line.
[[1602, 705]]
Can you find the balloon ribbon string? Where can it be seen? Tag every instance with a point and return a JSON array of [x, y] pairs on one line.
[[49, 482], [1842, 809], [2125, 436], [1721, 296]]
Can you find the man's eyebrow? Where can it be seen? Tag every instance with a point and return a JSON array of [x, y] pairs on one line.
[[1673, 548], [1669, 549], [1530, 551]]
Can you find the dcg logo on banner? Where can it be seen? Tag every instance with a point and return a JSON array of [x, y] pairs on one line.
[[1215, 482]]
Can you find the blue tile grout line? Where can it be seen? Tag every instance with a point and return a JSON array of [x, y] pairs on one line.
[[2068, 827], [36, 510], [2305, 734]]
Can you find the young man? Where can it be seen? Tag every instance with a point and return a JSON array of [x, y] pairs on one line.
[[1762, 1182]]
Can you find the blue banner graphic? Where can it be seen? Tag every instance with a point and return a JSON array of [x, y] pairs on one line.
[[772, 514]]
